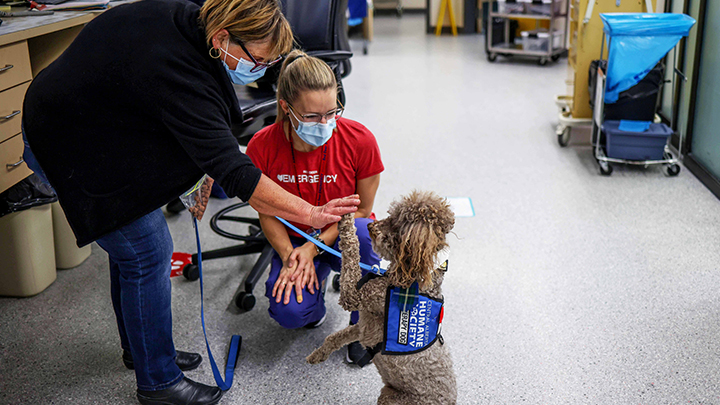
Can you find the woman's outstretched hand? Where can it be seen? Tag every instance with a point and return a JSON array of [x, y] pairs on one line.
[[331, 212]]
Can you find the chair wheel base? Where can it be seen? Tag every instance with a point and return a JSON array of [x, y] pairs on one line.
[[245, 301], [191, 272]]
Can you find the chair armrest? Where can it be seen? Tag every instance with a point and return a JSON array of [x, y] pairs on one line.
[[331, 56]]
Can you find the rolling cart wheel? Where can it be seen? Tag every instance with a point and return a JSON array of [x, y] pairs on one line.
[[191, 272], [564, 137], [491, 57], [607, 170], [672, 170], [542, 61], [245, 301], [555, 58], [336, 282], [365, 50]]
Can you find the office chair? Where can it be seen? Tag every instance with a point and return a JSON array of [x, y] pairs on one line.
[[320, 29]]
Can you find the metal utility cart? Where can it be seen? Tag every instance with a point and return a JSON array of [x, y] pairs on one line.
[[544, 45], [627, 63]]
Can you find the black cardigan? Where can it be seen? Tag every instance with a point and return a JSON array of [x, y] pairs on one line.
[[132, 114]]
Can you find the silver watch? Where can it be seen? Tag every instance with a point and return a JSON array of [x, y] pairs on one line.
[[317, 248]]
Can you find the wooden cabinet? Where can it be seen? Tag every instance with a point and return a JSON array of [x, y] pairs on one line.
[[13, 168], [15, 76], [11, 103], [14, 65]]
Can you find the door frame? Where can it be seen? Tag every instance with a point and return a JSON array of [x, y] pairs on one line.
[[677, 84], [707, 178]]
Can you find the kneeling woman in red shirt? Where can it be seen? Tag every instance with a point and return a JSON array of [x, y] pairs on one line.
[[315, 154]]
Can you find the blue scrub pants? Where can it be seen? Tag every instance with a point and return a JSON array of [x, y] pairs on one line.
[[294, 315]]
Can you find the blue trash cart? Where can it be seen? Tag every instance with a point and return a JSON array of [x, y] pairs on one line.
[[636, 42]]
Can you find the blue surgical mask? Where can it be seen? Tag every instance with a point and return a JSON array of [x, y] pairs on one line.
[[316, 134], [242, 74]]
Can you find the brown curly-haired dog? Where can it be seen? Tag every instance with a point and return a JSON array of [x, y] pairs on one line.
[[410, 238]]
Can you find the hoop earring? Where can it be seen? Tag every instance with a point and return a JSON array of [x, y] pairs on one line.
[[214, 56]]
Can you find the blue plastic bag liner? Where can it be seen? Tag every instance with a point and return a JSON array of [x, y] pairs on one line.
[[637, 42], [646, 24], [634, 126]]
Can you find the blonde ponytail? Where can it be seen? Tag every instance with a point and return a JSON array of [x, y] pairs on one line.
[[299, 73]]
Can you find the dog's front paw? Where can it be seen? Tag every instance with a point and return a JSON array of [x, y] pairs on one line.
[[346, 221], [316, 357]]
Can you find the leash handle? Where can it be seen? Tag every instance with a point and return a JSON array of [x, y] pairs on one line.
[[235, 342], [373, 269]]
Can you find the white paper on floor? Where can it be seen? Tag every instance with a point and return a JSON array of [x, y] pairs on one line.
[[461, 206]]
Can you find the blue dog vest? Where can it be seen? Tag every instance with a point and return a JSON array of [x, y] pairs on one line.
[[412, 321]]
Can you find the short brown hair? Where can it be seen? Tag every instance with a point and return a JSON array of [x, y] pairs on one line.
[[300, 73], [248, 21]]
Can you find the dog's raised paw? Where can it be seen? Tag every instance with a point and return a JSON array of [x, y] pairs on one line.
[[346, 221]]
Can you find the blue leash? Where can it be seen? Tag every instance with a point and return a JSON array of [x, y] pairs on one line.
[[235, 342], [373, 269]]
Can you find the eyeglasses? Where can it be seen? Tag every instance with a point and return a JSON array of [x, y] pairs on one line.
[[258, 65], [314, 119]]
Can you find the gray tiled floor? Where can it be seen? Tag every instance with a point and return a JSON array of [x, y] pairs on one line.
[[565, 288]]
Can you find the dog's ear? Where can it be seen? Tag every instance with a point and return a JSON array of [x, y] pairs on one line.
[[416, 254]]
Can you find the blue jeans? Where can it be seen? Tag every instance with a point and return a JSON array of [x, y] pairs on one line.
[[30, 160], [294, 315], [140, 255]]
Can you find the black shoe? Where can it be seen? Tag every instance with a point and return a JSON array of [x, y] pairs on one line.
[[357, 355], [175, 206], [186, 361], [186, 392]]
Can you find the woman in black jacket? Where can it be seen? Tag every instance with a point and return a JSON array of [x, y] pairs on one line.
[[130, 116]]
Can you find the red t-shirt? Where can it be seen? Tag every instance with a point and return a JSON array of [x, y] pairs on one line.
[[350, 155]]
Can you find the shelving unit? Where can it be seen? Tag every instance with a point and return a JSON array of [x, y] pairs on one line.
[[557, 12]]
